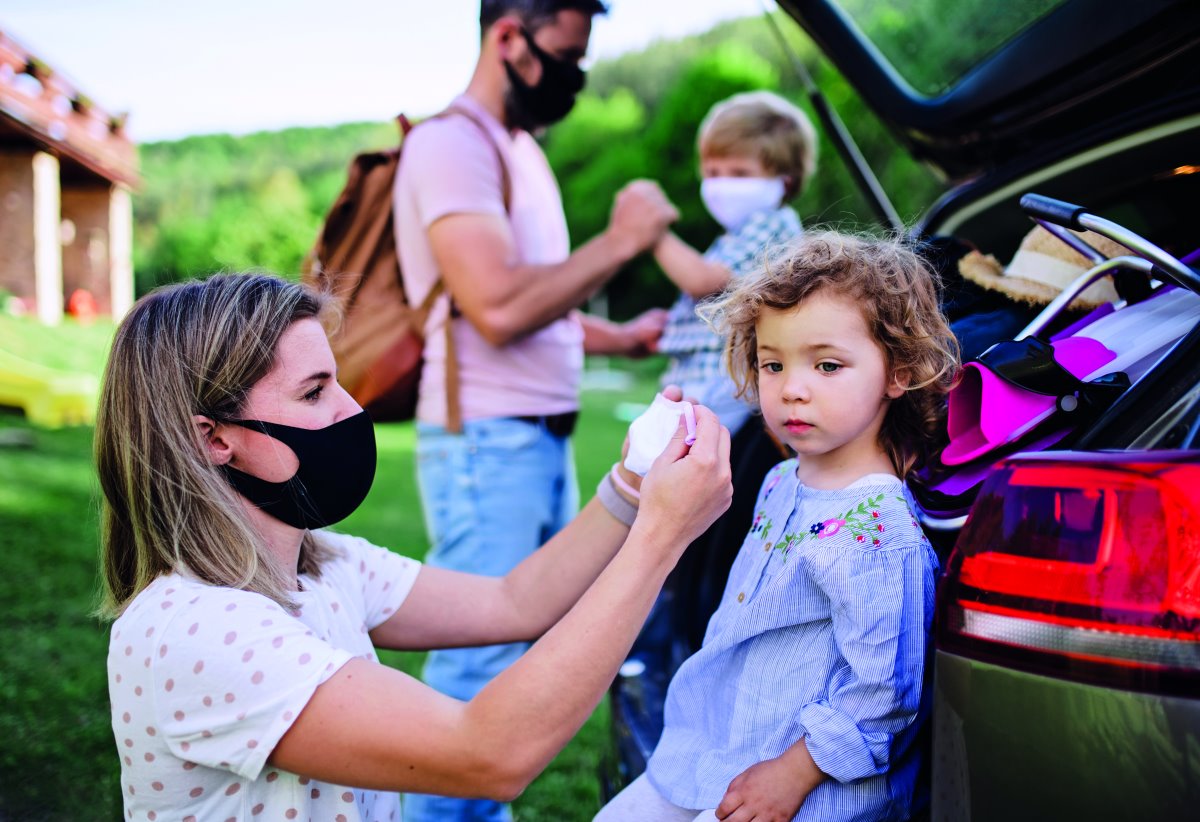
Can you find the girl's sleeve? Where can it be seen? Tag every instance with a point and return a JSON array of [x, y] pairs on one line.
[[882, 608]]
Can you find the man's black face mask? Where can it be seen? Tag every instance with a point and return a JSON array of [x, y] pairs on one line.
[[531, 107]]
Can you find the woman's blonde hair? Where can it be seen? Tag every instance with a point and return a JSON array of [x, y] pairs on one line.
[[765, 126], [183, 350], [898, 294]]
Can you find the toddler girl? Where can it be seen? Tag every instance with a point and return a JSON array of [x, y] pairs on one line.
[[807, 694]]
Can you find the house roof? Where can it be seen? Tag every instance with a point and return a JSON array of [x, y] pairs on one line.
[[40, 106]]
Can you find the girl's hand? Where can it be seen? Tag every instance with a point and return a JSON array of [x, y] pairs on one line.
[[772, 790], [687, 487]]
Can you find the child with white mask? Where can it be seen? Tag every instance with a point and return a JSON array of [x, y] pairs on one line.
[[757, 151]]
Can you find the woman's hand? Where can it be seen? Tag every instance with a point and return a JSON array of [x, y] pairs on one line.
[[687, 487]]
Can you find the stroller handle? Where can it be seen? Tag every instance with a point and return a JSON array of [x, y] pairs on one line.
[[1053, 211], [1078, 218]]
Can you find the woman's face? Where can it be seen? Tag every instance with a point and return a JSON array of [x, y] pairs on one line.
[[301, 391]]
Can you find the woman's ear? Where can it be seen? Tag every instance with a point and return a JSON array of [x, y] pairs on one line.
[[212, 439]]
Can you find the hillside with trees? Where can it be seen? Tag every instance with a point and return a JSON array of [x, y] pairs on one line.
[[221, 202]]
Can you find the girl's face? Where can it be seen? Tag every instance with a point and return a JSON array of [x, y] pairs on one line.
[[301, 391], [824, 385]]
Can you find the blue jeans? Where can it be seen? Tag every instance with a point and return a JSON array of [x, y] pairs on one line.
[[491, 495]]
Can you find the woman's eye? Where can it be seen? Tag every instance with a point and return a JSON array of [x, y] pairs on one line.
[[828, 367], [311, 396]]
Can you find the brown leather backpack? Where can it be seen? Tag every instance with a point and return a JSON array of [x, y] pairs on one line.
[[379, 343]]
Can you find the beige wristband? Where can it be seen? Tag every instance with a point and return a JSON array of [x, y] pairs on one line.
[[622, 510]]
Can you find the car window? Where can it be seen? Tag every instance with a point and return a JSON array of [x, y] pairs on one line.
[[933, 43]]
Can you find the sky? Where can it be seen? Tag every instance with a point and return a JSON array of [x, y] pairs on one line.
[[204, 66]]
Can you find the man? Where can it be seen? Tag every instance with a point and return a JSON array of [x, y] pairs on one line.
[[478, 207]]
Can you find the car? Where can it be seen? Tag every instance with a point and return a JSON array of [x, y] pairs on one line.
[[1066, 679]]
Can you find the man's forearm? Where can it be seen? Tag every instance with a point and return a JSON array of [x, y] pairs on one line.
[[542, 294]]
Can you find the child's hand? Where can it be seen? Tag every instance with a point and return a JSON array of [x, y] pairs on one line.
[[771, 791], [640, 216]]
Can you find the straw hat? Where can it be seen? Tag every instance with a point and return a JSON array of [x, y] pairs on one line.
[[1042, 267]]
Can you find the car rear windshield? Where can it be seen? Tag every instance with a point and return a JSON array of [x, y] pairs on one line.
[[933, 43]]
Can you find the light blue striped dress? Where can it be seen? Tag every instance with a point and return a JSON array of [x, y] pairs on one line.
[[822, 633]]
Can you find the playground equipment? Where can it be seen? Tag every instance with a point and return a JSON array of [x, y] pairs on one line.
[[49, 398]]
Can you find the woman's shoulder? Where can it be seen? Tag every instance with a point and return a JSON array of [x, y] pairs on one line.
[[176, 610], [173, 595]]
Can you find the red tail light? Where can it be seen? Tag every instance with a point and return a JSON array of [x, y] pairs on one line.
[[1085, 566]]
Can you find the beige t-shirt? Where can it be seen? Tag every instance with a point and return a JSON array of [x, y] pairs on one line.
[[205, 680], [448, 167]]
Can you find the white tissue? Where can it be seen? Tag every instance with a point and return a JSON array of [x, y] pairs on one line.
[[650, 433]]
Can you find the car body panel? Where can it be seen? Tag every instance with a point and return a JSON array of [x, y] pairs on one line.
[[1113, 754]]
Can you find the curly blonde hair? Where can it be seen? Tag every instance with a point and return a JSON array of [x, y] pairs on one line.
[[898, 293]]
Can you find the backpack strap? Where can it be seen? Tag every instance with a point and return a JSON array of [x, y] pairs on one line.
[[453, 399]]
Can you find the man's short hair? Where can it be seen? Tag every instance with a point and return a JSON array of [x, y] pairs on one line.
[[763, 125], [534, 13]]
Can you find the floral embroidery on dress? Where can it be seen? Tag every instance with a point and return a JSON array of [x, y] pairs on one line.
[[859, 522], [774, 479], [784, 545], [761, 525]]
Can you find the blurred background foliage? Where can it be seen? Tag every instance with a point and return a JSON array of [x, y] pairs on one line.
[[229, 203]]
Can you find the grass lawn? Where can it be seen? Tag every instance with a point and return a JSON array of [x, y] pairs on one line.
[[57, 754]]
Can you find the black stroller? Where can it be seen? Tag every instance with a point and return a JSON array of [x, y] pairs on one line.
[[1057, 385]]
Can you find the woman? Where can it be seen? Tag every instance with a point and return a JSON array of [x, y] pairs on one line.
[[242, 670]]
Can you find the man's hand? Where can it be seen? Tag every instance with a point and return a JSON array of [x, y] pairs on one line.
[[643, 332], [773, 790], [640, 217]]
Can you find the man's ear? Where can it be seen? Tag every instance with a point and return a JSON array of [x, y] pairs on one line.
[[212, 439], [510, 42]]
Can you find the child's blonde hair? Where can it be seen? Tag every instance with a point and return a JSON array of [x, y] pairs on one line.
[[898, 294], [766, 126]]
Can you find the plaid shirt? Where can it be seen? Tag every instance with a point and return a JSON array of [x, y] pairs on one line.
[[694, 349]]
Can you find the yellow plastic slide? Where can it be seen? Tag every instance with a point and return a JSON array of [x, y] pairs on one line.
[[48, 397]]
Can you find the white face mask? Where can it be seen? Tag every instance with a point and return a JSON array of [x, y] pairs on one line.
[[651, 432], [732, 200]]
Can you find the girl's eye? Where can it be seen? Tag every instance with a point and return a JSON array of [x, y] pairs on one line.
[[773, 367], [828, 367], [313, 395]]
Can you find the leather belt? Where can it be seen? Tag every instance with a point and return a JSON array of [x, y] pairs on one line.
[[560, 425]]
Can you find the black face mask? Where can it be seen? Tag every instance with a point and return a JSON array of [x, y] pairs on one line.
[[337, 467], [531, 107]]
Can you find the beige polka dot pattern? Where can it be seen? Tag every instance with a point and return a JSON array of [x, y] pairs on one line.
[[203, 681]]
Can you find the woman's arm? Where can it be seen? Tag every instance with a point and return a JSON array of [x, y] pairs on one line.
[[372, 726], [448, 609], [687, 268]]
